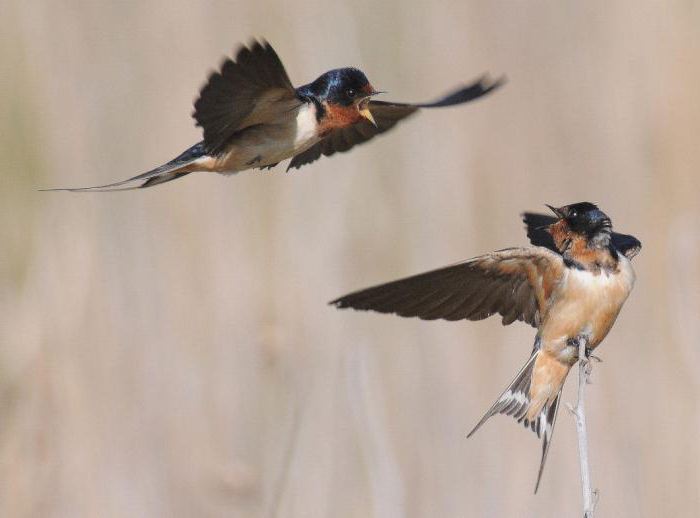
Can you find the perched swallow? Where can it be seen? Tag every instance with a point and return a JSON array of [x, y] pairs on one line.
[[570, 286], [252, 117]]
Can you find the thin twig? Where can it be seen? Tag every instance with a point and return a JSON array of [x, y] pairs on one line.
[[590, 496]]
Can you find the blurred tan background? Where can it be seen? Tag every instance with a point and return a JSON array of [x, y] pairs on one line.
[[169, 352]]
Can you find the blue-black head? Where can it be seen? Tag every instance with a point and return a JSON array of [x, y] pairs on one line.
[[584, 218], [343, 86]]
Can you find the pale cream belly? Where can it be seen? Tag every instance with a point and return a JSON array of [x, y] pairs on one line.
[[585, 305], [259, 154], [268, 144], [259, 148]]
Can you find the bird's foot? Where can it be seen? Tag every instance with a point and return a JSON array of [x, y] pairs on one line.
[[591, 356]]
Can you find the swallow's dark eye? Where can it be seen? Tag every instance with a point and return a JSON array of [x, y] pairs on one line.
[[573, 214], [350, 93]]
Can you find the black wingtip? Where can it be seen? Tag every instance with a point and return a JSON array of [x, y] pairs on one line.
[[350, 301], [339, 303], [497, 83], [479, 88], [489, 85]]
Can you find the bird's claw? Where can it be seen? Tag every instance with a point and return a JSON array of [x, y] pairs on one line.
[[591, 356]]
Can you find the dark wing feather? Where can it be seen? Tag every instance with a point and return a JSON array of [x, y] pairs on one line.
[[536, 223], [515, 283], [387, 115], [241, 94], [628, 245]]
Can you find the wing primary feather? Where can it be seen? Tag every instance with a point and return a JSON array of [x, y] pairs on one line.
[[479, 294], [443, 307], [493, 302], [498, 282], [484, 85], [384, 299], [418, 302], [387, 114]]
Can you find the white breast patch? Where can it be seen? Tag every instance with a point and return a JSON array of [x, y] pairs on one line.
[[306, 125]]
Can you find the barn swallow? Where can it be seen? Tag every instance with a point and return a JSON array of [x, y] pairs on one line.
[[252, 117], [570, 285]]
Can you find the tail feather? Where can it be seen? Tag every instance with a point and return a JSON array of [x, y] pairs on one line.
[[162, 178], [515, 401], [549, 422], [176, 168]]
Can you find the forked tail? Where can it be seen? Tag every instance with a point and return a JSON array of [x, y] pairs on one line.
[[516, 401], [180, 166]]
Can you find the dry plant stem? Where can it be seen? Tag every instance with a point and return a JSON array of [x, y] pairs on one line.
[[584, 372]]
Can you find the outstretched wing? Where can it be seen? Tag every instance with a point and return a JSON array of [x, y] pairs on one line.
[[252, 89], [386, 116], [515, 283], [536, 223]]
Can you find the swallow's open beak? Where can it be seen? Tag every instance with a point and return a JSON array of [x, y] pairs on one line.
[[364, 112], [363, 105], [557, 212]]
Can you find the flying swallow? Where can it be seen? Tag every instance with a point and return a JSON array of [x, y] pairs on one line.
[[252, 117], [570, 286]]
